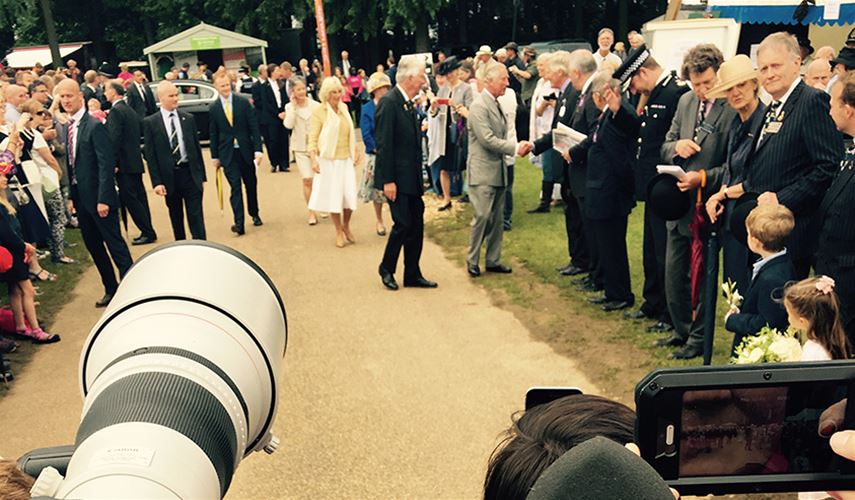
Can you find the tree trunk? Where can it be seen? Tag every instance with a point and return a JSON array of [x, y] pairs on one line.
[[623, 19], [148, 28], [96, 33], [50, 27], [422, 40], [462, 12]]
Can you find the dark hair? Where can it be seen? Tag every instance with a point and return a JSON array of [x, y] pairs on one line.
[[700, 58], [822, 310], [541, 435], [117, 88], [650, 63], [847, 95], [271, 68], [36, 84]]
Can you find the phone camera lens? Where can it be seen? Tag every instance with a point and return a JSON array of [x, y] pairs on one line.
[[653, 386]]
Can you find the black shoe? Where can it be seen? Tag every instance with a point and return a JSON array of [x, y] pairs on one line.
[[104, 300], [590, 287], [464, 198], [660, 327], [499, 268], [507, 226], [473, 270], [562, 268], [238, 230], [688, 352], [616, 305], [420, 283], [672, 341], [143, 240], [541, 209], [388, 279], [573, 271], [284, 169], [256, 221], [273, 169], [444, 207], [584, 280], [639, 314], [598, 299]]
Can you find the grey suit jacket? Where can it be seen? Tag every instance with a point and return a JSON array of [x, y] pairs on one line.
[[488, 143], [711, 136]]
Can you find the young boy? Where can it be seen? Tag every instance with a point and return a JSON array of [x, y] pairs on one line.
[[768, 227]]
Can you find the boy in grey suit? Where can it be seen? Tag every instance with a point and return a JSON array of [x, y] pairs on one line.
[[488, 176]]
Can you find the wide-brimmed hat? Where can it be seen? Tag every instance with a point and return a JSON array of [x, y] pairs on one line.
[[743, 206], [851, 37], [378, 80], [805, 42], [846, 57], [665, 198], [512, 46], [450, 64], [484, 50], [631, 66], [732, 72]]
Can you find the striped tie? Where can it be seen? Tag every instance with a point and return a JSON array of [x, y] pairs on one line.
[[70, 148], [173, 139], [771, 115]]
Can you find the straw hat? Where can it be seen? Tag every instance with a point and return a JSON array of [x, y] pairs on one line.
[[378, 80], [731, 73], [484, 50]]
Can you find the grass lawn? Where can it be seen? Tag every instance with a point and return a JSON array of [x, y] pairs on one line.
[[613, 351], [53, 295]]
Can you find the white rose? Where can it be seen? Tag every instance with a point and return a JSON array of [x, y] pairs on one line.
[[786, 349], [756, 355]]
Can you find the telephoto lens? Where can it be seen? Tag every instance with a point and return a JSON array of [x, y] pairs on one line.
[[179, 377]]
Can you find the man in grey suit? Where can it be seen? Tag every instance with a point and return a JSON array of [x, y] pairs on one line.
[[697, 141], [488, 175]]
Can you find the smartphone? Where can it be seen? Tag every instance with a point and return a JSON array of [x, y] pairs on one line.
[[443, 101], [747, 428], [550, 97], [535, 396]]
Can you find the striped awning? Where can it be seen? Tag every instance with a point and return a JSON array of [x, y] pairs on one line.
[[781, 11]]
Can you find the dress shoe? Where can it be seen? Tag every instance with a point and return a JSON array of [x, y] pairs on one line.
[[599, 299], [582, 281], [473, 270], [256, 221], [273, 169], [284, 169], [688, 352], [660, 327], [238, 230], [541, 209], [561, 268], [590, 287], [143, 240], [444, 207], [500, 268], [507, 226], [616, 305], [573, 271], [639, 314], [420, 282], [388, 279], [104, 300], [672, 341], [464, 198]]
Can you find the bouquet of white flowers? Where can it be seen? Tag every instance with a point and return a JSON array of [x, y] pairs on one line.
[[731, 294], [768, 346]]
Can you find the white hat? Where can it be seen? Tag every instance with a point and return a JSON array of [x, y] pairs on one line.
[[484, 50]]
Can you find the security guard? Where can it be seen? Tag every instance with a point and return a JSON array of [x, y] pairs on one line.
[[641, 74]]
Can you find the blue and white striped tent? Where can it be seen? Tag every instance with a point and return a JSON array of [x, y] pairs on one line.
[[781, 11]]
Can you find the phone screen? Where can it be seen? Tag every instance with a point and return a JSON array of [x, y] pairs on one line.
[[761, 430]]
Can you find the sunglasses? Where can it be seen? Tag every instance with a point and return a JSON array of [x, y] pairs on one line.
[[41, 113]]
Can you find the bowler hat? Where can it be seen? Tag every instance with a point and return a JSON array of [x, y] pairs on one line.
[[851, 37], [743, 206], [732, 72], [450, 64], [805, 42], [846, 57], [631, 66], [665, 198]]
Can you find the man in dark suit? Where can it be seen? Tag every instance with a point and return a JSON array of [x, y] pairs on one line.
[[140, 98], [236, 148], [559, 78], [697, 141], [271, 112], [175, 162], [398, 172], [641, 74], [123, 125], [835, 219], [92, 189], [798, 149], [610, 188]]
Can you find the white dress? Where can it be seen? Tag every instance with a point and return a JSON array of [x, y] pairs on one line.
[[334, 188]]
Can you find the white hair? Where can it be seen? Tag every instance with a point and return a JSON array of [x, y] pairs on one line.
[[410, 66], [559, 61], [493, 70], [583, 61], [781, 39]]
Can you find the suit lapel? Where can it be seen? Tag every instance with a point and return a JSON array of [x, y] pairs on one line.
[[81, 129], [843, 179], [786, 112]]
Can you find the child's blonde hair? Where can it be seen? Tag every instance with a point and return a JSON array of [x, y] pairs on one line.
[[772, 225], [814, 299]]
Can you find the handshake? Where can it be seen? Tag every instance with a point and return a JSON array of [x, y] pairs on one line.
[[524, 148]]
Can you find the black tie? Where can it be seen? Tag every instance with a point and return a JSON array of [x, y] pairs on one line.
[[173, 139], [501, 113]]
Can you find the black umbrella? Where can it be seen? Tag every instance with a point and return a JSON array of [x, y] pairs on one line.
[[710, 291]]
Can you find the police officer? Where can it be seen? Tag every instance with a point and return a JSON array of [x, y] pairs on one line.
[[641, 74]]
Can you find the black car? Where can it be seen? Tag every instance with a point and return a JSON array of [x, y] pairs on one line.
[[194, 97]]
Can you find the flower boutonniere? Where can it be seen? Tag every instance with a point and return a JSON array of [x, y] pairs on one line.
[[407, 106]]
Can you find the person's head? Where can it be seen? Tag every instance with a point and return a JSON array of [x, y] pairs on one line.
[[440, 56], [411, 74], [16, 95], [466, 71], [90, 77], [299, 92], [636, 40], [262, 71], [843, 104], [114, 91], [558, 68], [813, 308], [337, 72], [495, 78], [274, 72], [768, 228], [24, 78], [603, 79], [512, 49], [582, 66], [287, 70], [700, 66], [14, 482], [352, 71], [71, 64], [123, 67], [185, 66], [167, 94], [620, 47], [37, 111], [39, 91], [93, 105], [605, 40], [170, 75], [331, 90], [644, 80], [361, 73], [202, 67], [825, 52], [779, 61], [380, 68], [544, 433], [737, 82], [48, 80], [501, 55], [223, 84], [304, 64], [818, 73], [344, 55], [529, 55], [70, 96], [541, 64], [139, 76]]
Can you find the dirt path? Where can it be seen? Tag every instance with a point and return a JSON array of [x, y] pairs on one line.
[[385, 395]]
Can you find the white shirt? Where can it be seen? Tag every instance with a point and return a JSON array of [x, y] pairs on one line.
[[345, 67], [611, 56], [276, 93], [588, 83], [167, 122], [762, 262], [783, 100], [403, 92], [141, 91], [508, 103]]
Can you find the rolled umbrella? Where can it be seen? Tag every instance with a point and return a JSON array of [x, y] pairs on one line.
[[219, 178], [696, 266], [710, 291]]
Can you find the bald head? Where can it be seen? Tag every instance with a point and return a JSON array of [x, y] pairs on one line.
[[70, 96], [167, 94], [16, 95], [818, 73]]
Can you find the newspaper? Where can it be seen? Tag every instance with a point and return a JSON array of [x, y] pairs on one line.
[[564, 138], [674, 170]]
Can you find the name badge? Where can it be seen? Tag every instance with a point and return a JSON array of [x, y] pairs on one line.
[[773, 128], [706, 127], [561, 112]]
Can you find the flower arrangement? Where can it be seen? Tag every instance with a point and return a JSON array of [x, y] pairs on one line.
[[7, 163], [731, 294], [768, 346]]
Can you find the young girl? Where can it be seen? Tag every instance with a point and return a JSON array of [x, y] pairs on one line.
[[813, 308]]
